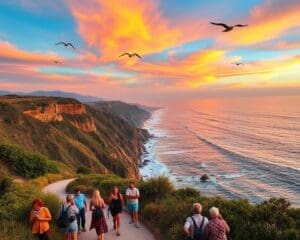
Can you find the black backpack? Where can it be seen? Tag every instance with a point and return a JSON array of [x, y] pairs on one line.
[[63, 219], [198, 233], [98, 213]]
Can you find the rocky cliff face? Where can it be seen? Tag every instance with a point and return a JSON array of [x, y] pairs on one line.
[[76, 134], [88, 125], [55, 112]]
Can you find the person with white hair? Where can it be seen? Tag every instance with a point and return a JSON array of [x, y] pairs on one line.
[[217, 228], [195, 225]]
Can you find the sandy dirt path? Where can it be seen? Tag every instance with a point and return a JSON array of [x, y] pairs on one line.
[[128, 231]]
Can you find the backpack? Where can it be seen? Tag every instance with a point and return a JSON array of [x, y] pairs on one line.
[[98, 213], [63, 219], [198, 233]]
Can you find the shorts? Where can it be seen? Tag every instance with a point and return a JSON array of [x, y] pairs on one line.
[[133, 207], [72, 227]]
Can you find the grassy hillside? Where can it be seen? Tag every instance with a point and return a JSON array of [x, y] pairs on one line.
[[165, 209], [17, 198], [132, 114], [111, 145]]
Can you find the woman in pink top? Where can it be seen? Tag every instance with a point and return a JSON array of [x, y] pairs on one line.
[[217, 228]]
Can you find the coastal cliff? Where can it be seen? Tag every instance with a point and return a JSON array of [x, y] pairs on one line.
[[133, 114], [71, 132], [55, 111]]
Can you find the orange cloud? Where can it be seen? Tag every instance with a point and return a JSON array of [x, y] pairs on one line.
[[10, 54], [267, 21], [117, 26]]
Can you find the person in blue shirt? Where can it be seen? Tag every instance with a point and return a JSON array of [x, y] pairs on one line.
[[80, 202]]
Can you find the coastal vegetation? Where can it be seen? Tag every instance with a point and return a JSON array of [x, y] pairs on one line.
[[15, 202], [165, 209], [25, 163], [67, 131]]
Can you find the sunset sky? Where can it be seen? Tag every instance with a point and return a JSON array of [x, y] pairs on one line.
[[183, 55]]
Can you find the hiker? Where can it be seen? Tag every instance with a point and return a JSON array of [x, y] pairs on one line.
[[116, 204], [195, 225], [217, 227], [132, 196], [98, 220], [39, 218], [70, 210], [80, 202]]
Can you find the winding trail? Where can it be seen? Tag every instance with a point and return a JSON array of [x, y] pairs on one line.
[[128, 231]]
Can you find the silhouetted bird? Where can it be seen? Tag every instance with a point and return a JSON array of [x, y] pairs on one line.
[[66, 44], [130, 55], [238, 63], [57, 62], [228, 28]]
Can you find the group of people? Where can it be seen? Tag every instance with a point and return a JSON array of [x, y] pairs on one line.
[[198, 227], [72, 213]]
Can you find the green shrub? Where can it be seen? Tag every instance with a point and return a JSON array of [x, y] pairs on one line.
[[83, 170], [155, 189], [25, 163], [14, 218], [166, 209], [5, 183]]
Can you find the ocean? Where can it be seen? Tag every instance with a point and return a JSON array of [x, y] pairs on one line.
[[249, 147]]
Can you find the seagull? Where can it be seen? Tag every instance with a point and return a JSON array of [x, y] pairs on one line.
[[57, 62], [66, 44], [228, 28], [238, 63], [130, 55]]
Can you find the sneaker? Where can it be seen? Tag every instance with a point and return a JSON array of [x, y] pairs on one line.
[[79, 231], [137, 225], [118, 234], [131, 221], [84, 230]]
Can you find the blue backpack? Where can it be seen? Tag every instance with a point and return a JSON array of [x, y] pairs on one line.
[[198, 233]]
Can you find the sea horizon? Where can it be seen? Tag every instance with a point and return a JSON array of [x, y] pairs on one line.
[[247, 146]]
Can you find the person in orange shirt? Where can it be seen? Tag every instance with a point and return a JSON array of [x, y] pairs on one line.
[[40, 217]]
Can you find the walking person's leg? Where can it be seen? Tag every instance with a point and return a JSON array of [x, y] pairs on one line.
[[101, 236], [135, 215], [74, 235], [82, 215], [78, 221], [130, 210], [68, 236], [118, 223], [115, 222]]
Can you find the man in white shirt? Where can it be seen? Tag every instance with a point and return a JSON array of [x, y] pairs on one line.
[[195, 225], [132, 196]]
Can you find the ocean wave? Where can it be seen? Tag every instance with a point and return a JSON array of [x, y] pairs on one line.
[[281, 173]]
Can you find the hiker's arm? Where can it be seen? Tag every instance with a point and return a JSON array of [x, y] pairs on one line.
[[186, 228], [227, 228], [206, 233], [128, 196], [122, 200], [91, 206], [84, 202], [137, 195], [48, 216], [186, 231], [103, 203]]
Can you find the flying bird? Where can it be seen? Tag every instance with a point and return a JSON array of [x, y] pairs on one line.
[[56, 62], [130, 55], [66, 44], [238, 63], [228, 28]]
